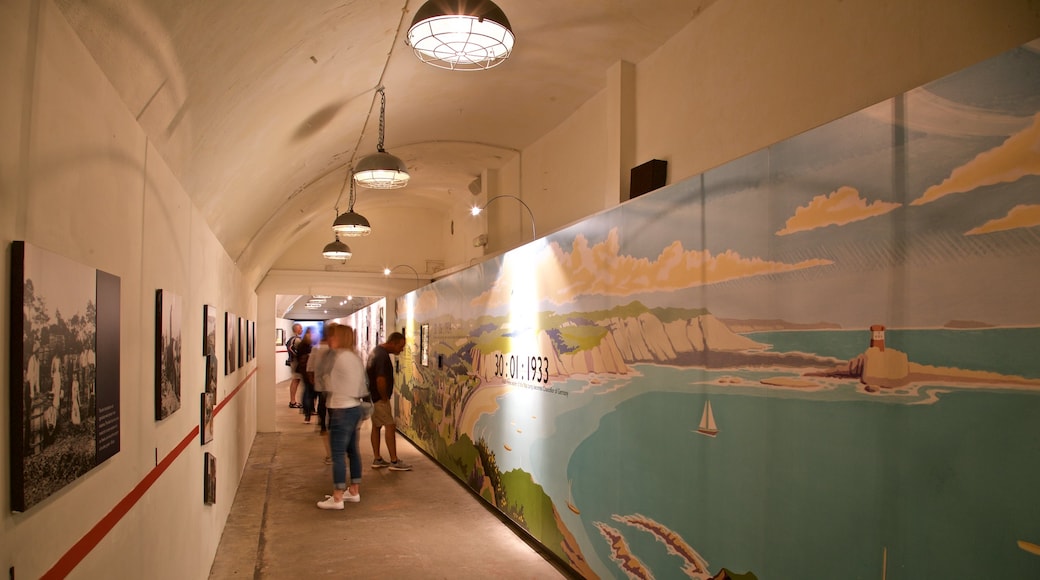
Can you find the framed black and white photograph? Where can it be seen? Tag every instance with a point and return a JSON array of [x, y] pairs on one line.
[[209, 479], [63, 373], [230, 343], [211, 373], [279, 337], [209, 330], [240, 351], [249, 341], [167, 354], [252, 339], [209, 401]]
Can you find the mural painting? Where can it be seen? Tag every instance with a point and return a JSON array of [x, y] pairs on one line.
[[817, 361]]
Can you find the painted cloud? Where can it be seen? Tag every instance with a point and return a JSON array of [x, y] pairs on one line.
[[600, 269], [1010, 161], [841, 207]]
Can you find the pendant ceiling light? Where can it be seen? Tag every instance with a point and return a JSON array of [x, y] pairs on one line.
[[351, 224], [337, 250], [461, 34], [381, 170]]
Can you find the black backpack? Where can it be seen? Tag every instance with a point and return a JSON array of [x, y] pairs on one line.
[[290, 347]]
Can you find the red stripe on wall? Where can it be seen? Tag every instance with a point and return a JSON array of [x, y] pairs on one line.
[[88, 542]]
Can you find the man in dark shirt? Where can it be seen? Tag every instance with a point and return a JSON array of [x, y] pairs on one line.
[[381, 386]]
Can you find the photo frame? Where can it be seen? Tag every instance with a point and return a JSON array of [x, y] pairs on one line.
[[206, 417], [252, 339], [209, 479], [279, 337], [209, 330], [211, 373], [63, 372], [230, 343], [167, 354], [240, 350]]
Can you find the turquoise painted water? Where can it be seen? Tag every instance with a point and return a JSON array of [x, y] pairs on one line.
[[798, 484]]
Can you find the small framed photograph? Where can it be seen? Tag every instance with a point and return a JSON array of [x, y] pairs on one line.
[[209, 330], [206, 420], [209, 479], [211, 374], [167, 353], [279, 337], [230, 344]]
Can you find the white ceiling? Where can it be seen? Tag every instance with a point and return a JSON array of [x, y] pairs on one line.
[[260, 106]]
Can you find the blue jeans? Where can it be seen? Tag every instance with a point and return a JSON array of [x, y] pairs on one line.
[[343, 430]]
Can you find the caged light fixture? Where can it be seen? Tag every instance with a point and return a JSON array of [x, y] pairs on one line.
[[461, 34], [351, 223], [381, 170], [337, 250]]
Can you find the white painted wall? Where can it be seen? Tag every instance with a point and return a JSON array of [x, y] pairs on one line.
[[79, 178]]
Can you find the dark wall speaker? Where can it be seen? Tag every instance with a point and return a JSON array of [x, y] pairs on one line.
[[647, 177]]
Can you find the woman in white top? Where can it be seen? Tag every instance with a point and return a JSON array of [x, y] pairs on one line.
[[345, 385]]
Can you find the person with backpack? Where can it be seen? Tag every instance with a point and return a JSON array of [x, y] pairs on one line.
[[290, 347]]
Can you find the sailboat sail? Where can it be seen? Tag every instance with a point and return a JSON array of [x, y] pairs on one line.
[[707, 425]]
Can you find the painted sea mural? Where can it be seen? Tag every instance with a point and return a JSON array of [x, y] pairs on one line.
[[821, 360]]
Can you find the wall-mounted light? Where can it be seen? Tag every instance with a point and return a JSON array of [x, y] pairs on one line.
[[351, 223], [461, 34], [476, 211], [389, 269], [337, 250], [381, 170]]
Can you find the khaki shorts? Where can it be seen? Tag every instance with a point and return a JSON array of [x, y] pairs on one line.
[[382, 415]]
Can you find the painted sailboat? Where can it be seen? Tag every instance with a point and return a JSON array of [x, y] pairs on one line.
[[707, 425]]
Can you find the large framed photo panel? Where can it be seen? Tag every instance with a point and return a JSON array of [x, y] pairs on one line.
[[167, 354], [64, 372]]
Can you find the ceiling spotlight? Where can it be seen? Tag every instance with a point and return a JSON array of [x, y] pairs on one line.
[[381, 170], [337, 250], [461, 34]]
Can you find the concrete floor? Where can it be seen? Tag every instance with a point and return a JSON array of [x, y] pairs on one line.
[[409, 524]]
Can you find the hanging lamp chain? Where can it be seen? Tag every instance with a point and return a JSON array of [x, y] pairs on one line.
[[353, 195], [343, 188], [382, 119]]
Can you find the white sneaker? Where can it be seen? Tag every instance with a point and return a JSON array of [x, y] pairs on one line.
[[329, 503], [400, 465], [356, 498]]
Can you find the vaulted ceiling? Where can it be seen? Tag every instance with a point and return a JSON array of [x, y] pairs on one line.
[[259, 107]]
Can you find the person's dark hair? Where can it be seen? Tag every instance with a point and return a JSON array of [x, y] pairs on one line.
[[394, 337]]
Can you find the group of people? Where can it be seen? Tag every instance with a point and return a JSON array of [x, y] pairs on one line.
[[340, 389], [61, 400]]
